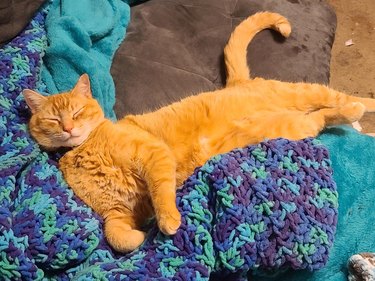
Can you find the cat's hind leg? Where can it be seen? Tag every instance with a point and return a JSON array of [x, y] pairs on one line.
[[296, 125], [310, 97], [311, 124], [289, 124], [346, 114], [119, 229]]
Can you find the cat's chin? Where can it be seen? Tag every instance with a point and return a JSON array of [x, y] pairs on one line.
[[74, 141], [65, 144]]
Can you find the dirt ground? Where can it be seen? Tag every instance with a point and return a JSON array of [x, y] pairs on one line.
[[353, 67]]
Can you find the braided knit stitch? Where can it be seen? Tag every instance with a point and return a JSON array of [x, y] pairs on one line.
[[42, 225], [266, 207], [19, 65], [262, 208]]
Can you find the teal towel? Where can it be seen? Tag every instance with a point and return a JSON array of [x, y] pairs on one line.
[[83, 37], [353, 162]]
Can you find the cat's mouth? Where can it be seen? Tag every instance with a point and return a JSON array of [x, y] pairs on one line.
[[66, 136], [70, 140], [73, 141]]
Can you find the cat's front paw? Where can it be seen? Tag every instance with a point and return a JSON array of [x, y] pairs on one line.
[[122, 238], [169, 221]]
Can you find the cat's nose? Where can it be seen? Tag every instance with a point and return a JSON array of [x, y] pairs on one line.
[[67, 129]]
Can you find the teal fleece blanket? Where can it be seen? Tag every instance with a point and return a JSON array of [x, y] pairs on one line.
[[78, 44]]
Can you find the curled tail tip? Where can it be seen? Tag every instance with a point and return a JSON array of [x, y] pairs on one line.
[[284, 28], [281, 23]]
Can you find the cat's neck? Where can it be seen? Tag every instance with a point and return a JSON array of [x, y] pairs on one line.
[[101, 125]]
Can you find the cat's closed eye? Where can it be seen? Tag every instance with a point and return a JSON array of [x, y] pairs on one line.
[[78, 112], [53, 120]]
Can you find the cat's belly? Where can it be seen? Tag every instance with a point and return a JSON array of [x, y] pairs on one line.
[[192, 158]]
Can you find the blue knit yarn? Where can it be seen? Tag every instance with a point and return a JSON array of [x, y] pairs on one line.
[[43, 226]]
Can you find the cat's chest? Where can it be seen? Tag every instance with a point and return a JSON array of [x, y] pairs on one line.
[[88, 165], [99, 182]]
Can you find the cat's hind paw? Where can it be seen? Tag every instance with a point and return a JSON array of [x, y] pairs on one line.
[[353, 111]]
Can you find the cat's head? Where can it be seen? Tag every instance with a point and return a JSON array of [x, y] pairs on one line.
[[65, 119]]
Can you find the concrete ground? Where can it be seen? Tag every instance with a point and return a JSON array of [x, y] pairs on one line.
[[353, 67]]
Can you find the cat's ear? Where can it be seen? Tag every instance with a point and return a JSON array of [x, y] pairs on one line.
[[83, 86], [34, 100]]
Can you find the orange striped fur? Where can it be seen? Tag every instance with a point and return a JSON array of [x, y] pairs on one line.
[[129, 170]]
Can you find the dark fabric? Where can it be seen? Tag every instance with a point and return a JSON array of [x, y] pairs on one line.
[[14, 16], [175, 48]]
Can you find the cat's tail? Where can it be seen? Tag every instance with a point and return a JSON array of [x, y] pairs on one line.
[[236, 50]]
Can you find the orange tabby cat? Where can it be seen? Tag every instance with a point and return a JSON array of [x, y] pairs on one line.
[[129, 170]]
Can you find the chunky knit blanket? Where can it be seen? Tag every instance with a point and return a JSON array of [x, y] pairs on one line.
[[266, 207]]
